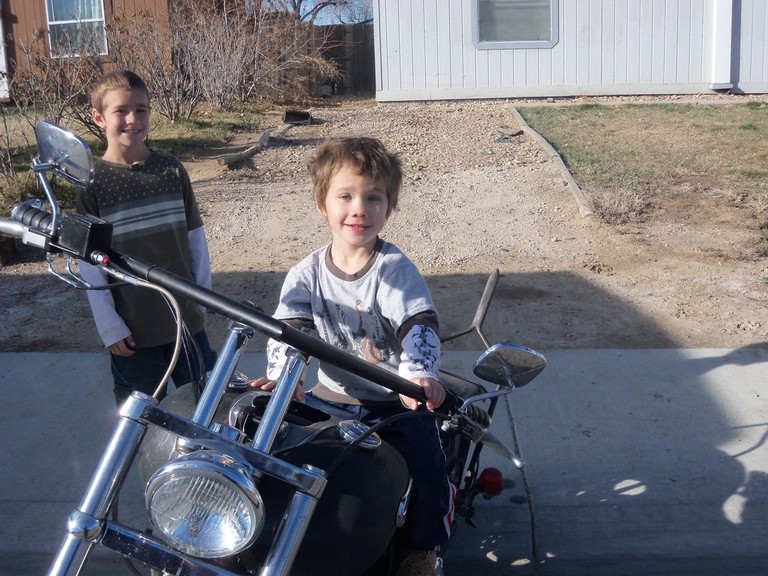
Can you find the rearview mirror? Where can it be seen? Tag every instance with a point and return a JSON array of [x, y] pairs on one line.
[[64, 153], [508, 364]]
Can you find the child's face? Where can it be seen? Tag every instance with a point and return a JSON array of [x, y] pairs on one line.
[[124, 119], [356, 209]]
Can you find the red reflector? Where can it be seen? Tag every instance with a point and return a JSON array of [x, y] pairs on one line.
[[490, 482]]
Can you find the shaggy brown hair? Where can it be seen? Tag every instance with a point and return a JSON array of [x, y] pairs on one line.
[[366, 156]]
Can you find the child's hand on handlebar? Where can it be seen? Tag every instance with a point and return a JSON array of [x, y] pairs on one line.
[[433, 390], [267, 385]]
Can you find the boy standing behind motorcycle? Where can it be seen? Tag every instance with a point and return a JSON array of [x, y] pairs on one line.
[[362, 294], [149, 200]]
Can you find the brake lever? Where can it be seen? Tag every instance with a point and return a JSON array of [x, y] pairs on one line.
[[477, 431], [495, 444], [71, 278]]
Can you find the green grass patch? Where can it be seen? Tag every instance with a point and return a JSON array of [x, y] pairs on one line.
[[644, 150]]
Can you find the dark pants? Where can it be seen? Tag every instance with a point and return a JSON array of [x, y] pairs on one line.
[[145, 368], [417, 440]]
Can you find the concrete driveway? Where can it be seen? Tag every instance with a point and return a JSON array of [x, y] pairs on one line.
[[638, 462]]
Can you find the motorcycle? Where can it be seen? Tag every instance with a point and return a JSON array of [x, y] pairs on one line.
[[239, 481]]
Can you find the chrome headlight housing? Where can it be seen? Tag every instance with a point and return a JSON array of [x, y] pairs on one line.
[[205, 504]]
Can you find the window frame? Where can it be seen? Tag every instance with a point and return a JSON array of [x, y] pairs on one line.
[[554, 31], [56, 51]]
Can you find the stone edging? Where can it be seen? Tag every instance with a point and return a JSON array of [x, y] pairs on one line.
[[584, 207]]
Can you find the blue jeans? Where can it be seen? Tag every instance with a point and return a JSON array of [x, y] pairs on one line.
[[417, 440], [145, 368]]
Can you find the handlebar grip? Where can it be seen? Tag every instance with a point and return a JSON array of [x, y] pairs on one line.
[[478, 415], [31, 216], [453, 403]]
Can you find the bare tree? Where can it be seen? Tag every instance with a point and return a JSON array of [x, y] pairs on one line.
[[304, 10], [53, 88], [220, 53], [353, 11], [290, 57], [158, 53]]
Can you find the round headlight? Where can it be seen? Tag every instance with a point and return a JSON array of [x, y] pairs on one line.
[[205, 504]]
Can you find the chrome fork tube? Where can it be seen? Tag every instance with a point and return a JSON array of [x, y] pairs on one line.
[[222, 371], [86, 523], [291, 532], [291, 376]]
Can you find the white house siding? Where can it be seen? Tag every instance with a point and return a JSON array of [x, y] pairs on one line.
[[425, 50]]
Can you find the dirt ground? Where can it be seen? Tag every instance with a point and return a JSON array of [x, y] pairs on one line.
[[478, 195]]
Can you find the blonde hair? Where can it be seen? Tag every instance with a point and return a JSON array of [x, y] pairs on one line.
[[117, 80], [366, 156]]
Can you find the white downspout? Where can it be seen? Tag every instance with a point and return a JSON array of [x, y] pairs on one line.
[[722, 45], [3, 63]]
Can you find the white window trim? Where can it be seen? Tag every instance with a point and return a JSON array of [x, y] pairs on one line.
[[554, 31], [54, 53]]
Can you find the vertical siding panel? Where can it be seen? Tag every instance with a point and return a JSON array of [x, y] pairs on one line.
[[379, 32], [708, 28], [582, 42], [696, 47], [682, 61], [568, 41], [657, 41], [518, 73], [754, 22], [760, 47], [420, 38], [474, 74], [432, 47], [494, 68], [620, 51], [405, 33], [671, 31], [645, 48], [532, 68], [545, 67], [457, 45], [480, 59], [632, 55], [444, 52], [392, 47], [597, 37], [608, 41], [760, 70], [557, 54]]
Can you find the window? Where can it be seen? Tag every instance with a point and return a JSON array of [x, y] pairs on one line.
[[76, 27], [515, 23]]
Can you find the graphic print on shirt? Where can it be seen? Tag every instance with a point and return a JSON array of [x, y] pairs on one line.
[[365, 341]]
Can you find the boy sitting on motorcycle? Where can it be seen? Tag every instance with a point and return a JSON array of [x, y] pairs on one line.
[[362, 294]]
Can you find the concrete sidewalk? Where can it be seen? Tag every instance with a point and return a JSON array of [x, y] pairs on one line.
[[639, 462]]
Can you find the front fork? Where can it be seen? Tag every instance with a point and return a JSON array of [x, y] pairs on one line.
[[88, 525]]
